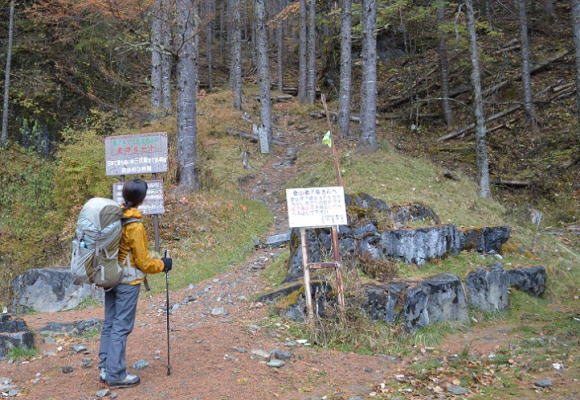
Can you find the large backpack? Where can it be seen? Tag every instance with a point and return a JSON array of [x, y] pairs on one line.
[[96, 245]]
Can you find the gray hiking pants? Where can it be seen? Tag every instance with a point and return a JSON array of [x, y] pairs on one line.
[[120, 310]]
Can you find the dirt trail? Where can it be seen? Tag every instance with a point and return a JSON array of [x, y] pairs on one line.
[[212, 354], [206, 360]]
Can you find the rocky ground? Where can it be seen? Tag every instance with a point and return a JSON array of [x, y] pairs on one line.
[[225, 346]]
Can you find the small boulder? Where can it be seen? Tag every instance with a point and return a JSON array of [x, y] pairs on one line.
[[141, 364], [531, 280], [421, 244], [103, 393], [384, 302], [544, 383], [278, 240], [77, 328], [457, 390], [435, 299], [276, 363], [14, 333], [49, 290], [67, 369], [487, 288], [280, 355], [484, 239]]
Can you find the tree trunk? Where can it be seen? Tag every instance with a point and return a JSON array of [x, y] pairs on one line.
[[311, 53], [576, 19], [236, 53], [223, 17], [368, 102], [345, 93], [525, 48], [252, 45], [156, 50], [186, 97], [263, 67], [280, 48], [166, 54], [489, 12], [5, 108], [444, 67], [302, 45], [210, 15], [550, 10], [480, 130]]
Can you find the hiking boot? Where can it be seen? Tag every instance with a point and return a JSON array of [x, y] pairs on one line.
[[102, 375], [130, 380]]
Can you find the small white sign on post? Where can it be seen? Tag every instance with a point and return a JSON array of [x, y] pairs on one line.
[[316, 207], [153, 203]]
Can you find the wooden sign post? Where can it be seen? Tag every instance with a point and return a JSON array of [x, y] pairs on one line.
[[318, 208], [139, 154]]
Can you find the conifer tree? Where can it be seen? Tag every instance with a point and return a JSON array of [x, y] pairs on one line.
[[6, 105]]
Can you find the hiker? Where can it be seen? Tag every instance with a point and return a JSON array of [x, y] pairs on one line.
[[121, 300]]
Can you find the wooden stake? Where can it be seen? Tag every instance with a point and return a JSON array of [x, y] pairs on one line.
[[334, 230], [307, 293]]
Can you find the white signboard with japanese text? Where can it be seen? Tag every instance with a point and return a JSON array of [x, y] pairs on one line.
[[316, 207], [144, 153], [153, 203]]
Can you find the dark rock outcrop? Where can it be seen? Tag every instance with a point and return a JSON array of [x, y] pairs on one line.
[[14, 333], [76, 328], [290, 302], [49, 290], [410, 212], [366, 238], [484, 239], [531, 280], [487, 288], [385, 302], [435, 299], [421, 244]]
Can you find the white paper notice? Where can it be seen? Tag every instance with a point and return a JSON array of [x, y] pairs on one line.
[[316, 207]]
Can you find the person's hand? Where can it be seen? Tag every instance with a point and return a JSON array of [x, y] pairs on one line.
[[167, 264]]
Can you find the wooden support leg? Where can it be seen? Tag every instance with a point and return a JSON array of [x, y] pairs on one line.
[[307, 293], [339, 281]]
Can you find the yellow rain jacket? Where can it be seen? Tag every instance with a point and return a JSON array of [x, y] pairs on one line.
[[134, 241]]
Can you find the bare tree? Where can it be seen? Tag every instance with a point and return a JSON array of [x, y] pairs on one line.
[[550, 10], [166, 53], [368, 102], [222, 29], [236, 52], [444, 66], [576, 20], [5, 108], [525, 49], [156, 50], [209, 12], [302, 45], [187, 96], [311, 53], [480, 129], [263, 67], [280, 48], [345, 91]]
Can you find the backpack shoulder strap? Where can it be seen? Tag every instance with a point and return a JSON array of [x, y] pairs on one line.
[[127, 221]]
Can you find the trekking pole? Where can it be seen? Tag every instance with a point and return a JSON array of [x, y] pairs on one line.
[[167, 313]]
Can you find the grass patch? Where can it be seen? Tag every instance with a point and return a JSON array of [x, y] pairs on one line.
[[91, 333], [210, 233], [275, 273], [18, 353], [396, 178], [89, 302]]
